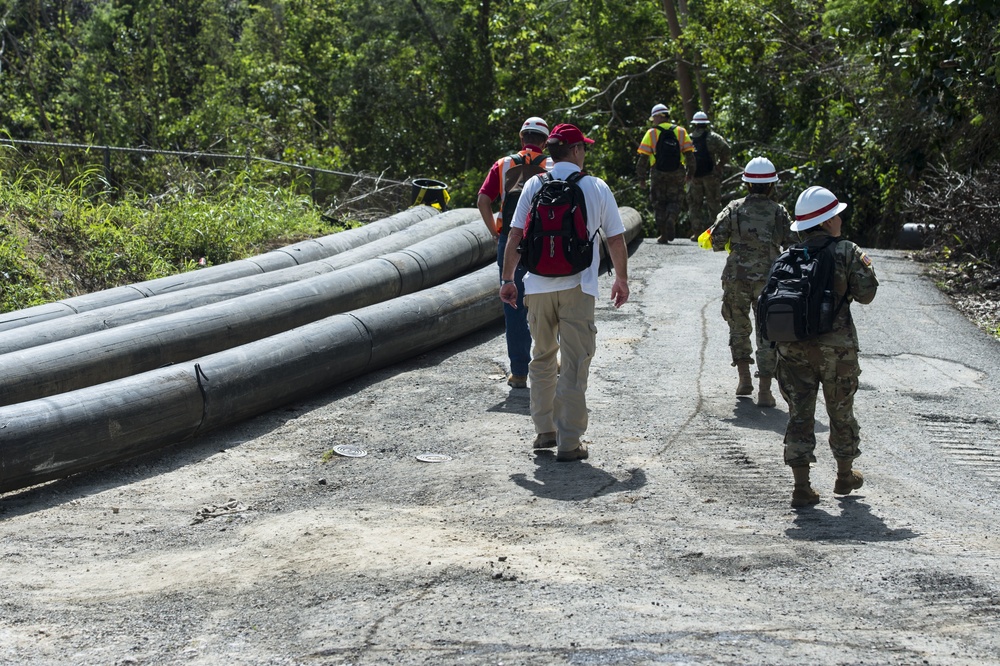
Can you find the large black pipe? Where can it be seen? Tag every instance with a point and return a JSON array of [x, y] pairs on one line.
[[99, 357], [64, 328], [72, 432], [292, 255]]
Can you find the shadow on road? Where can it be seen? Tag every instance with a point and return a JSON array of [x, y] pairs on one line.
[[517, 402], [855, 523], [746, 414], [575, 481]]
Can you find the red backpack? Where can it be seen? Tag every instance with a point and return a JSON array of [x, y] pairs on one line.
[[555, 240]]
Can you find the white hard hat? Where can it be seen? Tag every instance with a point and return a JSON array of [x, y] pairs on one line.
[[535, 124], [700, 118], [659, 109], [760, 170], [814, 207]]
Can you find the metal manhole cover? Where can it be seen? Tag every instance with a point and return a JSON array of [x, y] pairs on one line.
[[350, 451], [433, 457]]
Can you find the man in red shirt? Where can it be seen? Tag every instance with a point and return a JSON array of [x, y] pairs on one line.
[[503, 185]]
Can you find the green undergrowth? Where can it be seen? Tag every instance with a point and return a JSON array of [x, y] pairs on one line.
[[58, 240]]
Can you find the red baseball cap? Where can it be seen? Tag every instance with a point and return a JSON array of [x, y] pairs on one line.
[[566, 134]]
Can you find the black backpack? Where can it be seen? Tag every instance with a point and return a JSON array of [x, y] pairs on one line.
[[797, 302], [704, 162], [668, 151], [514, 179], [555, 239]]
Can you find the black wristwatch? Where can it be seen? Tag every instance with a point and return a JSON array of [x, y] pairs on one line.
[[503, 282]]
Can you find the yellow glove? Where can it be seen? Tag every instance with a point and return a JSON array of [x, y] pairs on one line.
[[705, 240]]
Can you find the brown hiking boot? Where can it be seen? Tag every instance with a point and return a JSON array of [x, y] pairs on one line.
[[804, 495], [745, 387], [517, 381], [544, 440], [579, 453], [847, 482], [766, 399], [764, 396]]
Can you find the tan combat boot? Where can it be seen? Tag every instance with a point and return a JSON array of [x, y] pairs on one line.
[[745, 387], [848, 478], [764, 396], [803, 493]]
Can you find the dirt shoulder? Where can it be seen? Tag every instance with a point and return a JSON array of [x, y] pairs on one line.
[[673, 543]]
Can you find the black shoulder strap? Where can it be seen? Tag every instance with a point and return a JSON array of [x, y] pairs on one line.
[[574, 180], [662, 130]]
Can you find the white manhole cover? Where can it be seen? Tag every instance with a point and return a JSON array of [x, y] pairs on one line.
[[433, 457], [350, 451]]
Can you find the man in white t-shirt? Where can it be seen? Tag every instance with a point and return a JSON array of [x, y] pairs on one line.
[[561, 309]]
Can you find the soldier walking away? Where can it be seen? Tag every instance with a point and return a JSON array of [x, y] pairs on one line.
[[756, 229], [666, 159], [561, 309], [503, 185], [711, 156], [829, 360]]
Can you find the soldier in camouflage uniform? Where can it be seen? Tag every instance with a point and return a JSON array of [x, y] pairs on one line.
[[712, 154], [666, 159], [756, 229], [830, 360]]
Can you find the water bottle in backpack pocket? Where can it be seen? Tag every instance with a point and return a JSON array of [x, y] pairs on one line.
[[827, 311], [556, 242]]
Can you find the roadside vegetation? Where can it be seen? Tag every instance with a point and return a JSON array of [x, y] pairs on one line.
[[962, 253], [64, 240], [894, 106]]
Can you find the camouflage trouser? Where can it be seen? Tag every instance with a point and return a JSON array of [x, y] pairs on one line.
[[739, 309], [802, 368], [666, 192], [704, 202]]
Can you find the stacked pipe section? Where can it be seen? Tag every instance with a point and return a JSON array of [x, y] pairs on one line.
[[453, 243], [292, 255], [77, 430]]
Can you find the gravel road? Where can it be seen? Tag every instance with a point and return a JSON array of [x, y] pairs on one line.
[[674, 543]]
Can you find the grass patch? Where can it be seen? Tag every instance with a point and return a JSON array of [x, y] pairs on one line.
[[58, 241]]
